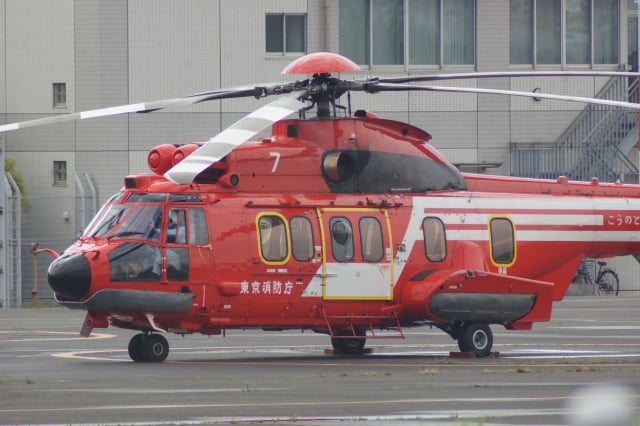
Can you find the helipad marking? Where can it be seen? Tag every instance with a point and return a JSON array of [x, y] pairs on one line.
[[87, 355], [412, 418], [314, 403], [119, 355], [597, 327], [64, 336]]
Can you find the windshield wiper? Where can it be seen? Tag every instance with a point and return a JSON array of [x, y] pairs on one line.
[[127, 234]]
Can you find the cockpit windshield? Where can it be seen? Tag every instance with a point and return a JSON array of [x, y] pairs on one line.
[[108, 218], [127, 221], [143, 222]]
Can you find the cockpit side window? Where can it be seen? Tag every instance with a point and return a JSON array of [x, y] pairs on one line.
[[187, 225], [198, 232], [177, 226]]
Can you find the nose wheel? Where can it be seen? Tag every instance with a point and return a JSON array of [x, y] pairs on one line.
[[148, 348]]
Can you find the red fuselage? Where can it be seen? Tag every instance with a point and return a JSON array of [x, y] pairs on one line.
[[335, 224]]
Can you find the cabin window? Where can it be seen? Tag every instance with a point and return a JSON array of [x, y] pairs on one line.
[[301, 238], [273, 238], [435, 240], [502, 240], [371, 239], [341, 239]]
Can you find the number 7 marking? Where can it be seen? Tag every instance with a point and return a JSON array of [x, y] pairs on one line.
[[275, 155]]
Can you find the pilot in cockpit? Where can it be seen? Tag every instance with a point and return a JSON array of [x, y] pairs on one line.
[[153, 232]]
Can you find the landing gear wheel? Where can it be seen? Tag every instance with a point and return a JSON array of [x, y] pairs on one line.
[[350, 345], [136, 352], [476, 338], [156, 348], [148, 348]]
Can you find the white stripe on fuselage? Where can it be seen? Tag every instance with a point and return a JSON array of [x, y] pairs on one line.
[[470, 217], [467, 219]]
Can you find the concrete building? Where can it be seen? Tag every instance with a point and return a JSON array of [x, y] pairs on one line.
[[62, 56]]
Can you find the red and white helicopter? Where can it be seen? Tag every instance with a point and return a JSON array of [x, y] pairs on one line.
[[344, 224]]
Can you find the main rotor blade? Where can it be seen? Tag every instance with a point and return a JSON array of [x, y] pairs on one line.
[[496, 74], [224, 142], [238, 92], [390, 87]]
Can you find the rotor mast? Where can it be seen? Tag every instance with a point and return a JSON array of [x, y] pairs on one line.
[[323, 89]]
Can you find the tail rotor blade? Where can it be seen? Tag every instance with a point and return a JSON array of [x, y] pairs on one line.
[[224, 142]]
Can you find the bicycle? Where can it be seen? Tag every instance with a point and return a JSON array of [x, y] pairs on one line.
[[606, 278]]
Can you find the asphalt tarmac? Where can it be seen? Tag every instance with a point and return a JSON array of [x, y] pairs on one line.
[[583, 364]]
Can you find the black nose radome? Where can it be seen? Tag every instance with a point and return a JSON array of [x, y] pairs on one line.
[[70, 276]]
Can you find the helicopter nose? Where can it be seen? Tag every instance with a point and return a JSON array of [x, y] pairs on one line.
[[70, 276]]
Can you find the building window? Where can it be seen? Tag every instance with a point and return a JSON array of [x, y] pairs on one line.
[[549, 32], [60, 173], [286, 33], [59, 95], [408, 32]]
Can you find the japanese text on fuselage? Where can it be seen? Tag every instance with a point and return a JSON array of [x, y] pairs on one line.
[[268, 287]]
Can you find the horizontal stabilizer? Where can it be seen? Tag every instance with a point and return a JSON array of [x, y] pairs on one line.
[[481, 296]]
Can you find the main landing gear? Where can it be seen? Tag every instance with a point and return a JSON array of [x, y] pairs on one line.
[[343, 343], [472, 337], [148, 348]]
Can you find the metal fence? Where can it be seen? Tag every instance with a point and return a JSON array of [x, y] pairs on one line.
[[10, 231], [548, 161], [52, 222]]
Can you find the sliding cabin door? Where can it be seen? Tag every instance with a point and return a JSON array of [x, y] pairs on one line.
[[357, 255]]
